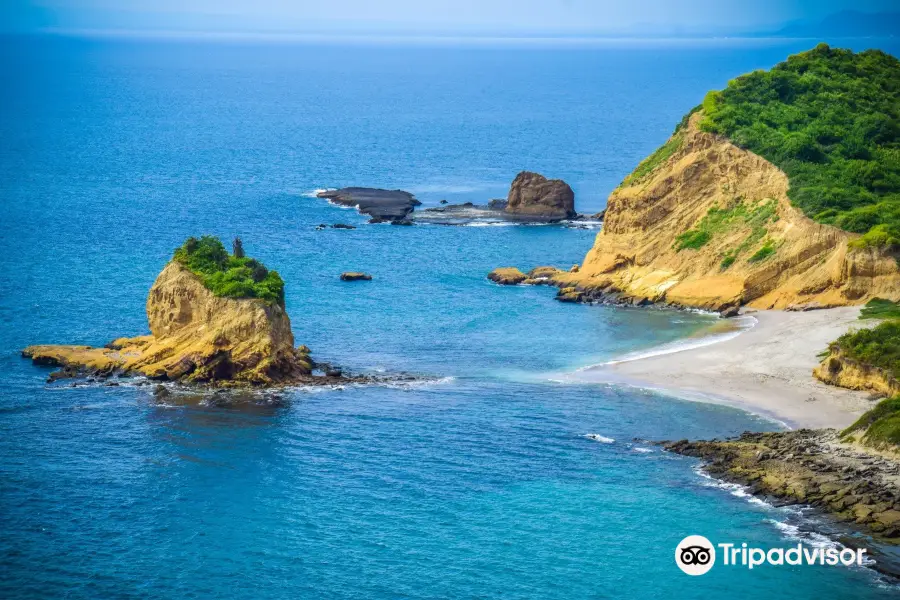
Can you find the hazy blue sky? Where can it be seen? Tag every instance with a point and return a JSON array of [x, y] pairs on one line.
[[465, 16]]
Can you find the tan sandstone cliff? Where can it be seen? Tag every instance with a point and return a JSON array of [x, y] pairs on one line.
[[195, 337], [841, 370], [760, 251]]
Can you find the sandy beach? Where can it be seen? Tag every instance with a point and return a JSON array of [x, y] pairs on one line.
[[766, 370]]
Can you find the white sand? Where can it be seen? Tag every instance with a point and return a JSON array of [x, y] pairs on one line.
[[766, 370]]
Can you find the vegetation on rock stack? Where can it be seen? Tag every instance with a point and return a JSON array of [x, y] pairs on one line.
[[830, 119], [229, 275], [879, 346], [867, 359]]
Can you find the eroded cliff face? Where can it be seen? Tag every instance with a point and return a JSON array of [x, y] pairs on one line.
[[195, 337], [841, 370], [711, 226]]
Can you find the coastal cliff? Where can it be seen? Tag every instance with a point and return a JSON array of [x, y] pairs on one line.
[[843, 371], [196, 336], [869, 358], [711, 226], [780, 191]]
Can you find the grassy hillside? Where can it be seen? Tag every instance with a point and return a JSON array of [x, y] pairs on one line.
[[880, 426], [830, 119], [228, 275]]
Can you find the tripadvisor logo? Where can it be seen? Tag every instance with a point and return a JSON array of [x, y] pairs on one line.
[[696, 555]]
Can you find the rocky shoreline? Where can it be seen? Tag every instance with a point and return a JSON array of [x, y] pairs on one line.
[[573, 289], [854, 485], [87, 365]]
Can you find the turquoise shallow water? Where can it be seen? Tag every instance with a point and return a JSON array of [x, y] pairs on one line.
[[476, 483]]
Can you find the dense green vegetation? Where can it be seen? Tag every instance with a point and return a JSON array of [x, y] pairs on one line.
[[879, 308], [230, 275], [830, 119], [881, 424], [878, 346]]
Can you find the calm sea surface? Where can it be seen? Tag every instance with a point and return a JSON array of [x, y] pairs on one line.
[[478, 482]]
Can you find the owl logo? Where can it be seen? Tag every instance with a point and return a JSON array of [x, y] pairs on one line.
[[695, 555]]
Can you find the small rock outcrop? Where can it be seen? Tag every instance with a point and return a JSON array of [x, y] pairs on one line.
[[534, 196], [355, 276], [839, 369], [195, 337], [382, 205], [507, 276]]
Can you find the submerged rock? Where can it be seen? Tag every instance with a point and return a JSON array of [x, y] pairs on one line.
[[381, 205], [533, 195], [355, 276]]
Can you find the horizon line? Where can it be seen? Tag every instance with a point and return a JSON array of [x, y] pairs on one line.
[[409, 37]]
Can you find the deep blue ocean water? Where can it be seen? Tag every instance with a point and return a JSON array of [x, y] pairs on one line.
[[478, 482]]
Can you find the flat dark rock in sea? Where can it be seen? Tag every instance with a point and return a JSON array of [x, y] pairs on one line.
[[381, 205], [398, 208], [493, 212]]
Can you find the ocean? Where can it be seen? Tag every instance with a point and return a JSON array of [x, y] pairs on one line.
[[478, 479]]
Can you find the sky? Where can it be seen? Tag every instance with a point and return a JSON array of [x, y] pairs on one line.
[[529, 17]]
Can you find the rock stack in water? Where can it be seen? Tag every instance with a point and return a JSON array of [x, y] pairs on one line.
[[195, 336], [533, 196]]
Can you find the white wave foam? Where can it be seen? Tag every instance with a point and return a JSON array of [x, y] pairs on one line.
[[743, 324], [642, 450], [734, 489], [788, 530], [488, 224], [345, 207], [599, 438], [793, 532], [315, 193], [418, 383], [585, 224]]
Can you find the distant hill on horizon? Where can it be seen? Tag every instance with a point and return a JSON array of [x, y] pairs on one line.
[[848, 23]]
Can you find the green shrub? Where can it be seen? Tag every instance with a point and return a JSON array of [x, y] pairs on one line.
[[767, 250], [830, 119], [878, 347], [881, 424], [227, 275], [879, 308], [728, 261], [692, 239]]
